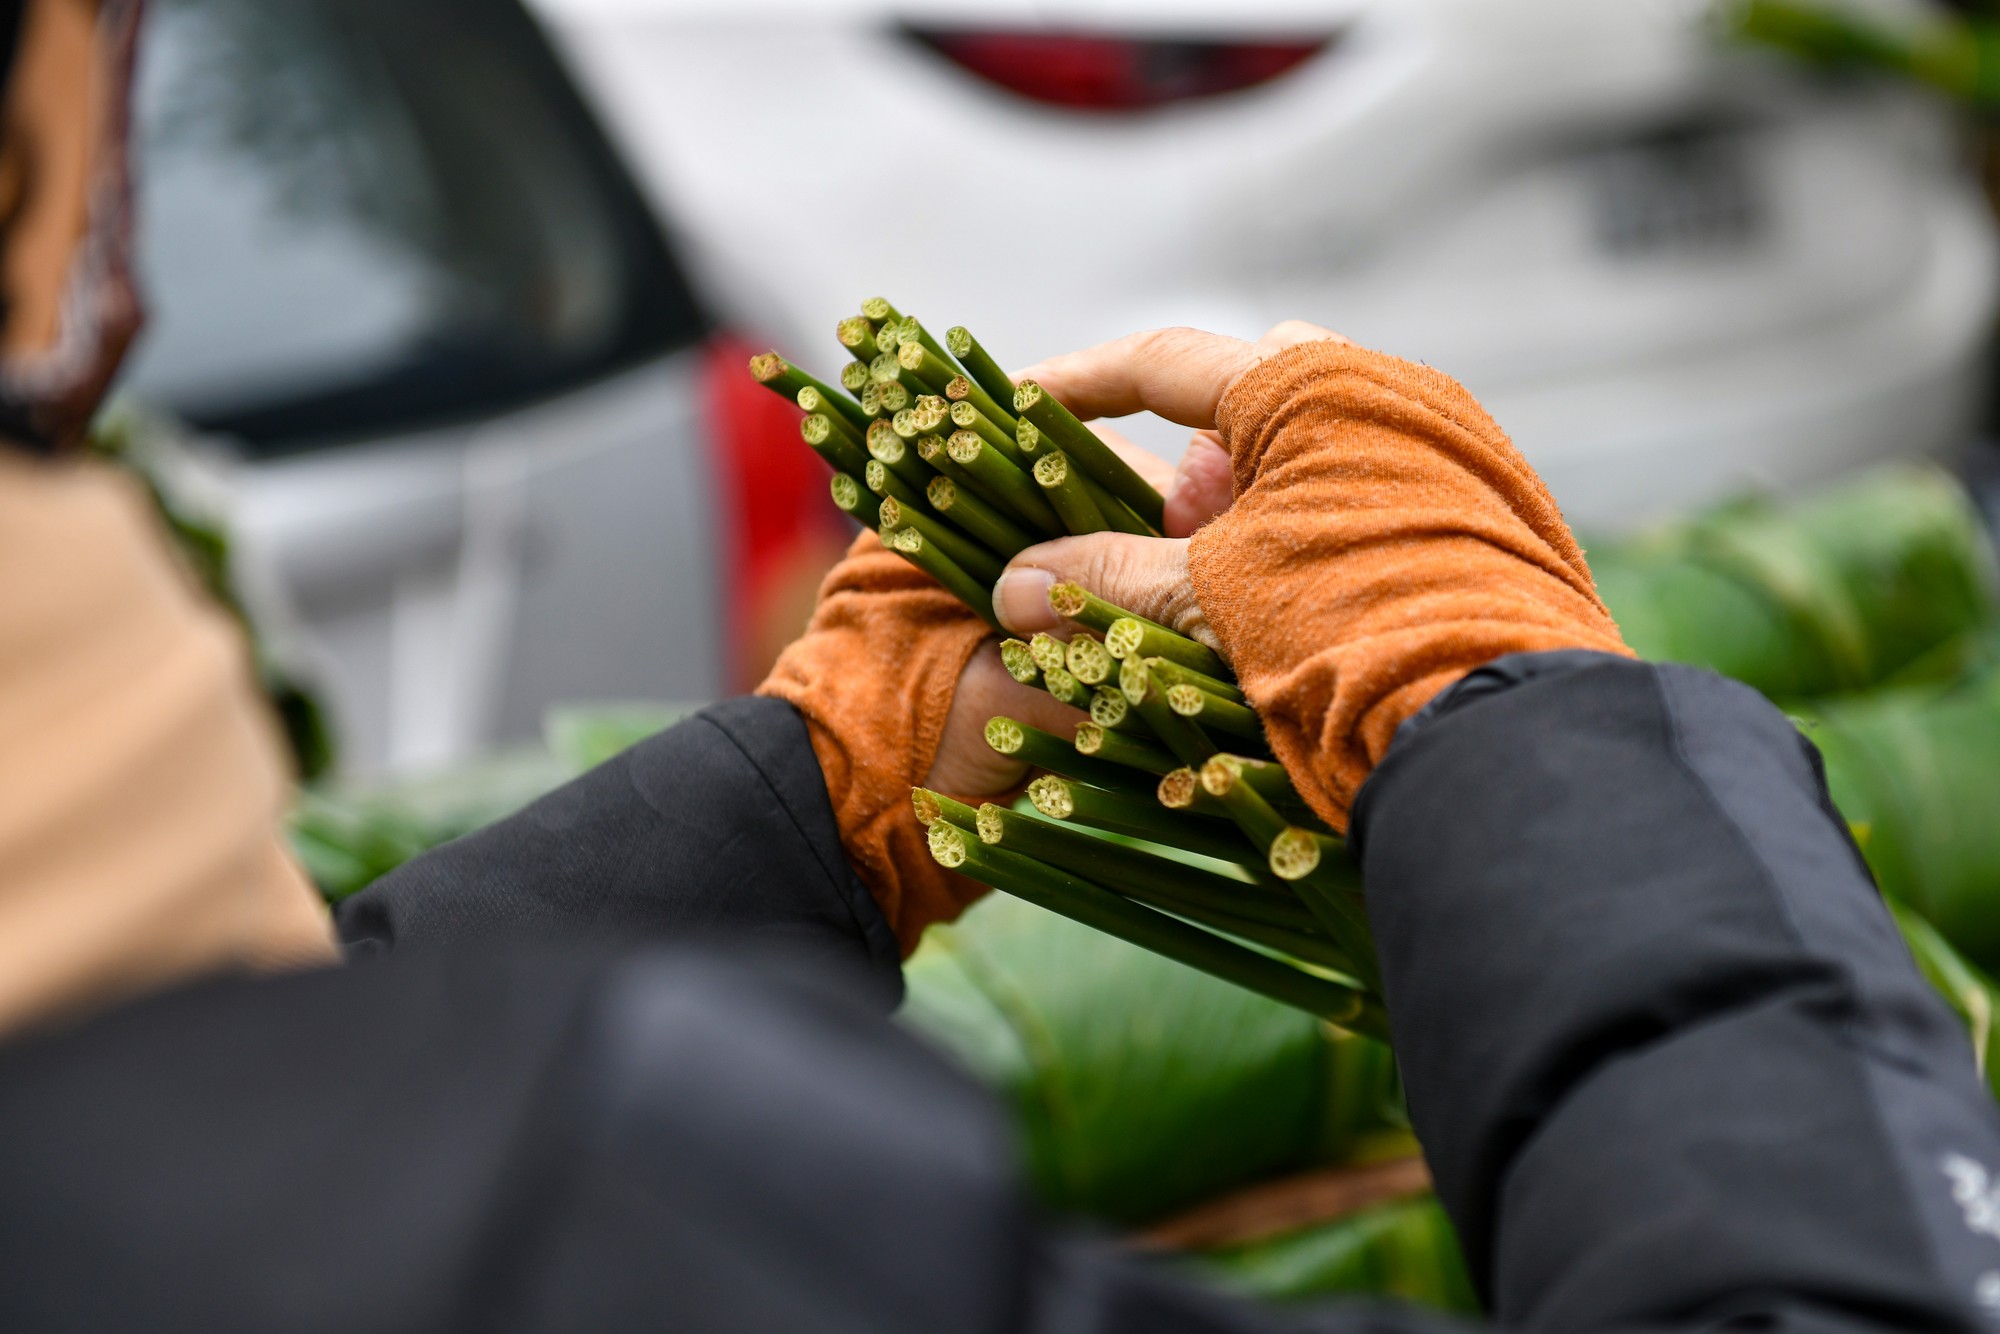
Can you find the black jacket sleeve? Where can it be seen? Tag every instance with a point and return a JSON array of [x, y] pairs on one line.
[[1670, 1061], [718, 827]]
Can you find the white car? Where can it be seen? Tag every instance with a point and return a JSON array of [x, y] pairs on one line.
[[1670, 267]]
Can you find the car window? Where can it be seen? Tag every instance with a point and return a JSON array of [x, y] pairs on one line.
[[364, 216]]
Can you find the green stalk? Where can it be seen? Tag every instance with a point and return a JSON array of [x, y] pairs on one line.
[[1044, 750], [1029, 438], [857, 334], [965, 417], [871, 397], [1136, 816], [893, 397], [1120, 749], [985, 371], [1020, 663], [1298, 856], [1064, 487], [888, 337], [1212, 711], [1181, 736], [1118, 516], [1002, 482], [1050, 653], [887, 370], [886, 483], [930, 448], [854, 377], [1086, 659], [833, 445], [786, 380], [889, 449], [848, 495], [1149, 639], [919, 362], [1091, 454], [1000, 533], [1110, 709], [1066, 689], [1133, 680], [1172, 673], [1217, 901], [1136, 871], [817, 398], [934, 806], [1181, 791], [938, 371], [1076, 898], [910, 542], [1074, 602], [911, 330], [935, 369], [965, 391], [968, 555], [877, 310], [1266, 778], [1307, 947]]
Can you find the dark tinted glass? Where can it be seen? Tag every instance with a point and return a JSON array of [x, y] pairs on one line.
[[361, 216]]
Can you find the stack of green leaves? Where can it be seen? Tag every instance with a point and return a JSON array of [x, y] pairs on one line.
[[1888, 578], [1164, 821]]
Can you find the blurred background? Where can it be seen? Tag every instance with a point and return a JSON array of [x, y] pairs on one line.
[[450, 298], [445, 392]]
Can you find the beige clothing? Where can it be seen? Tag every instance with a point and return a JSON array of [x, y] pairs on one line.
[[141, 784]]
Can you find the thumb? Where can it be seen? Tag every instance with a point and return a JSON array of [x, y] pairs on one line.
[[1147, 576]]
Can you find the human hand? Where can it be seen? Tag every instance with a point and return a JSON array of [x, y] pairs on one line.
[[1383, 539], [965, 766], [1178, 374]]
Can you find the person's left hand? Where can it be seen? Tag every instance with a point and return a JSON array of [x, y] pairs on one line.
[[965, 765]]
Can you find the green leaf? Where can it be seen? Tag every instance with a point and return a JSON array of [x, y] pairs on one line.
[[1140, 1086], [1915, 768], [583, 736], [1403, 1249], [1887, 577]]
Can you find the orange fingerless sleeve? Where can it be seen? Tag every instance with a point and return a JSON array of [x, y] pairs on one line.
[[874, 676], [1386, 539]]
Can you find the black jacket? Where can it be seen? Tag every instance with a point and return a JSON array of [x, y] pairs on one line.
[[622, 1064]]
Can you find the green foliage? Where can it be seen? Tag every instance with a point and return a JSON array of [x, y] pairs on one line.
[[348, 835], [1958, 55], [583, 736], [1403, 1249], [1889, 578], [1140, 1086], [1915, 771], [1969, 991]]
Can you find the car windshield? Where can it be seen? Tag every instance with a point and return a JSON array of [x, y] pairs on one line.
[[341, 233]]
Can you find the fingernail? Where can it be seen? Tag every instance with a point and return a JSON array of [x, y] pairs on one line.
[[1021, 600]]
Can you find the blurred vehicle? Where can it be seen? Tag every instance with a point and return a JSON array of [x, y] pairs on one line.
[[1670, 267], [441, 369]]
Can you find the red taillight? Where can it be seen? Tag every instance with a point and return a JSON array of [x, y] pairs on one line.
[[1096, 73]]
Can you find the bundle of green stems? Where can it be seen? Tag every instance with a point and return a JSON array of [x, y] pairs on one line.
[[1165, 821]]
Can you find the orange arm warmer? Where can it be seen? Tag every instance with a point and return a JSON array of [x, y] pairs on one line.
[[874, 676], [1386, 539]]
